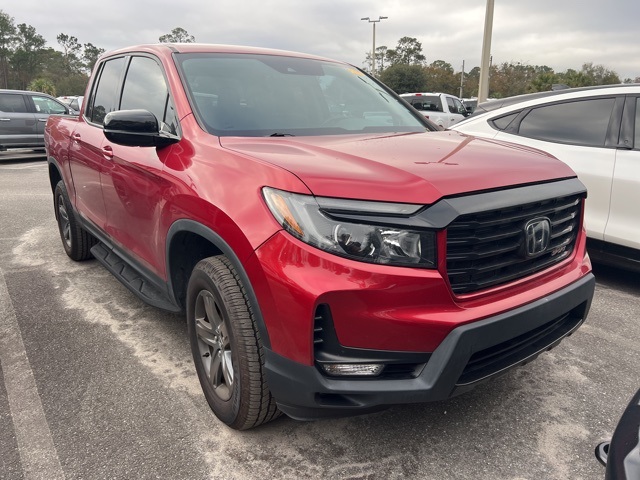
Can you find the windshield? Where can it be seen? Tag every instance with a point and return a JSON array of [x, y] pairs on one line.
[[269, 95], [425, 102]]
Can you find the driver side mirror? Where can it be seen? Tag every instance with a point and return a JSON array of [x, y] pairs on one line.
[[136, 128]]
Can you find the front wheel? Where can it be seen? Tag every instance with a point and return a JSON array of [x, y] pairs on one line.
[[226, 346]]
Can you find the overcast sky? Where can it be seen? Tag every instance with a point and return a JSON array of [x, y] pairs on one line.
[[556, 33]]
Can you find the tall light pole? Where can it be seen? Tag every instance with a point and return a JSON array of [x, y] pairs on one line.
[[461, 80], [485, 65], [373, 50]]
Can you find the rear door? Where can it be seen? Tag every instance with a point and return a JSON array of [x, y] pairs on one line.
[[456, 110], [18, 126], [623, 225], [87, 157]]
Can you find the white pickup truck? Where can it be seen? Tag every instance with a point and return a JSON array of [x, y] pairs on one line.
[[441, 108]]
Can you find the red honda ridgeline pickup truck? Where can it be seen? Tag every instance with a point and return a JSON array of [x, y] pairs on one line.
[[333, 252]]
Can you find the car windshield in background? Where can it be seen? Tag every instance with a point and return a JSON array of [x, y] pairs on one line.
[[425, 102], [268, 95]]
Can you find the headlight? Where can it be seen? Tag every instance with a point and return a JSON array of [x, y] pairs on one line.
[[310, 219]]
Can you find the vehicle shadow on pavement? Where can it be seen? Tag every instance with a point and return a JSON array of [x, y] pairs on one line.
[[625, 280]]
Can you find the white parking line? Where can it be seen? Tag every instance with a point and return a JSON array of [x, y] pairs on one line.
[[30, 166], [38, 454]]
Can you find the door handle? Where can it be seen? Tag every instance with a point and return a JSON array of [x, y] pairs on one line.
[[5, 119], [107, 152], [42, 119], [76, 137]]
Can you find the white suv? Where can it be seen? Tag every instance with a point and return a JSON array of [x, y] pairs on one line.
[[596, 131]]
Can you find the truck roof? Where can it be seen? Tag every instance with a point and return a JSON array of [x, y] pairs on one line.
[[162, 49]]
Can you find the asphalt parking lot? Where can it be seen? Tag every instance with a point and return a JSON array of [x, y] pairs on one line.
[[96, 384]]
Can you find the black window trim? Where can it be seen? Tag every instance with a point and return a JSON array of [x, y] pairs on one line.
[[613, 129], [628, 126], [28, 105], [96, 82], [123, 75]]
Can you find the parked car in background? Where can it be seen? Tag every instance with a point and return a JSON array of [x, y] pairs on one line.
[[23, 115], [596, 131], [74, 102], [441, 108], [470, 104]]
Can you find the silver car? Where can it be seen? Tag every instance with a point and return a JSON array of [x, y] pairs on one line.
[[22, 118]]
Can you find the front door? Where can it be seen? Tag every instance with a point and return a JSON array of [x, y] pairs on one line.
[[132, 185]]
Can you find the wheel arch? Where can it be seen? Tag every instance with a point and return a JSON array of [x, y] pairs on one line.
[[55, 173], [188, 242]]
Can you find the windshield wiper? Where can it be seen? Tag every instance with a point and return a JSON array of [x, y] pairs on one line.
[[278, 134]]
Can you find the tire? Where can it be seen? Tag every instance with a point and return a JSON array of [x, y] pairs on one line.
[[226, 346], [77, 242]]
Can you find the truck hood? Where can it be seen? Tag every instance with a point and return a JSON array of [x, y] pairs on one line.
[[409, 168]]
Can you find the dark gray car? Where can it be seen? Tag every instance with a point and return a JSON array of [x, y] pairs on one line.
[[22, 117]]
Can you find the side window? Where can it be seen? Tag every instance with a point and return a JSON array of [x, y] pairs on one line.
[[636, 142], [583, 122], [145, 87], [459, 107], [503, 122], [12, 103], [106, 94], [452, 105], [47, 105]]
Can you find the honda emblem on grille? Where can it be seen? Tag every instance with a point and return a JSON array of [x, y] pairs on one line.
[[537, 233]]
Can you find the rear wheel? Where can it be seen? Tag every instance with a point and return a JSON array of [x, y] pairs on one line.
[[226, 346], [77, 242]]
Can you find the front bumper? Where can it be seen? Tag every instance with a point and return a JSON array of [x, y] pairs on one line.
[[469, 354]]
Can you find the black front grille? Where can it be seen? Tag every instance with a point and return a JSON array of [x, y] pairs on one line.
[[487, 248], [498, 358]]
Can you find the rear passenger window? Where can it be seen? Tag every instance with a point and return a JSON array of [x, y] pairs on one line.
[[106, 94], [582, 122], [503, 122], [10, 102]]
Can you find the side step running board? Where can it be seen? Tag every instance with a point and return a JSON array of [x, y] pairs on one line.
[[133, 279]]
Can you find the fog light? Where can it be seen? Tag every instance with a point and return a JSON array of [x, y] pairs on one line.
[[353, 369]]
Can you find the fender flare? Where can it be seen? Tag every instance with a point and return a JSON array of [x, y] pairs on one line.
[[53, 163], [185, 225]]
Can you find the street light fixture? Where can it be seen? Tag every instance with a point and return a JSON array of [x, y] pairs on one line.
[[373, 50]]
